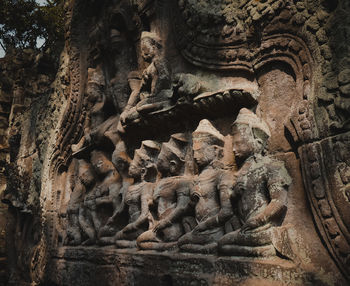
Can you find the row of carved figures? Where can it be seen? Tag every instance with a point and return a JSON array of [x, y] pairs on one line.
[[159, 204]]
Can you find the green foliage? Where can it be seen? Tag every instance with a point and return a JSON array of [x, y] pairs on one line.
[[22, 22]]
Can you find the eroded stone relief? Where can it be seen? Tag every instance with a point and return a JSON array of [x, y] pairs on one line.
[[197, 133], [167, 206]]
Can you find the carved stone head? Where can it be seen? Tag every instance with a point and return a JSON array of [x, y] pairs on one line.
[[95, 84], [171, 159], [208, 144], [102, 165], [143, 164], [250, 135], [86, 173], [120, 158], [151, 46], [116, 40]]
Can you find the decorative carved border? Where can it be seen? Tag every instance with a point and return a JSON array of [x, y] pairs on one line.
[[332, 229]]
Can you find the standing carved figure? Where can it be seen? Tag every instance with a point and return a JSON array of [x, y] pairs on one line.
[[95, 92], [138, 197], [97, 126], [260, 192], [171, 196], [211, 192]]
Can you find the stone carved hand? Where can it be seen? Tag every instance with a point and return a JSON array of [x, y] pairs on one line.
[[88, 137], [119, 235], [161, 225], [124, 115], [200, 227], [250, 224], [128, 228], [145, 75]]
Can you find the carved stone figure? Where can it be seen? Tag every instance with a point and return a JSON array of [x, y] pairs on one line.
[[117, 86], [154, 87], [96, 98], [260, 191], [85, 180], [171, 196], [97, 124], [138, 197], [106, 188], [211, 192], [121, 161]]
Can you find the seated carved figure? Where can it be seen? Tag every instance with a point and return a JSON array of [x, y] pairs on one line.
[[260, 192], [211, 191], [121, 161], [138, 197], [84, 182], [103, 192], [171, 196], [152, 90]]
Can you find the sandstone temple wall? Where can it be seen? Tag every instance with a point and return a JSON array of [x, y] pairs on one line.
[[181, 142]]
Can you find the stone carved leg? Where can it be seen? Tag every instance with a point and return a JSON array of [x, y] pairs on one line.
[[73, 232], [202, 242], [258, 251], [128, 240], [87, 227], [250, 243], [189, 223], [161, 240]]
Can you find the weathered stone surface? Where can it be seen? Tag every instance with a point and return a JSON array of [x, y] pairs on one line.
[[130, 267], [183, 143]]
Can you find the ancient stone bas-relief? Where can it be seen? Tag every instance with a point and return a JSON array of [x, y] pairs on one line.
[[165, 205], [199, 130], [181, 194]]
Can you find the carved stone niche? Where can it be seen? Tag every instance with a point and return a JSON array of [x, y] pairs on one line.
[[191, 131]]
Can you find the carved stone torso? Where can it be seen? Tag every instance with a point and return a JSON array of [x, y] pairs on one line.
[[253, 181], [103, 188], [77, 197], [167, 192], [133, 198], [206, 191], [149, 77]]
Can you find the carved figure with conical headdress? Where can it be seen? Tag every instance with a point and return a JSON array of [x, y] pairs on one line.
[[260, 191], [211, 192]]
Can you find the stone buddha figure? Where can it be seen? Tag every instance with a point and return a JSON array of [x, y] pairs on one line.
[[138, 197], [260, 192], [171, 196], [211, 193]]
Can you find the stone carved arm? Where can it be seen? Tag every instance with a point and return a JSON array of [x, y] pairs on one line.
[[108, 196], [182, 206], [226, 211], [146, 79], [121, 208], [277, 205], [146, 201], [135, 86], [162, 80], [277, 185]]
